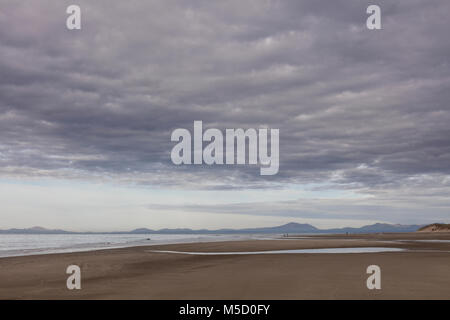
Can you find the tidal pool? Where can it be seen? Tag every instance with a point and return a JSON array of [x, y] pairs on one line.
[[321, 250]]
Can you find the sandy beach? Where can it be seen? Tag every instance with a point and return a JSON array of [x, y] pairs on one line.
[[422, 271]]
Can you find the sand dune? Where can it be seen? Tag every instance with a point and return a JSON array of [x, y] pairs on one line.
[[436, 227]]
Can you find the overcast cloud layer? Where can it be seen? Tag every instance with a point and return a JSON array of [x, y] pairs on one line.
[[359, 110]]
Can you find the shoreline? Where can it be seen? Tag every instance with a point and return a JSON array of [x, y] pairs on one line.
[[400, 237], [96, 246], [138, 273]]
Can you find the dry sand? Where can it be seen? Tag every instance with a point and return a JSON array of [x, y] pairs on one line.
[[421, 272]]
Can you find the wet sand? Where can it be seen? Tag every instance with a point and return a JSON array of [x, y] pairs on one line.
[[422, 271]]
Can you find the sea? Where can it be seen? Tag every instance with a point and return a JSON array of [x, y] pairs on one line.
[[31, 244]]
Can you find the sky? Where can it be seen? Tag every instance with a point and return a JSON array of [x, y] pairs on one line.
[[86, 115]]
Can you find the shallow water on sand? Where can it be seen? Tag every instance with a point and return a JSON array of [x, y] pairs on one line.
[[321, 250], [431, 241]]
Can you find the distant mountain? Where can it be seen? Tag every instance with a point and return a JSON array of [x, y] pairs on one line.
[[286, 228], [33, 230], [435, 227]]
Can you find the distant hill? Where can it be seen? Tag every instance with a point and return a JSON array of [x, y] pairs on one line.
[[34, 230], [286, 228], [378, 228], [435, 227]]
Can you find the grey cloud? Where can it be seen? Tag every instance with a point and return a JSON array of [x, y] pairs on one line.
[[103, 101]]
